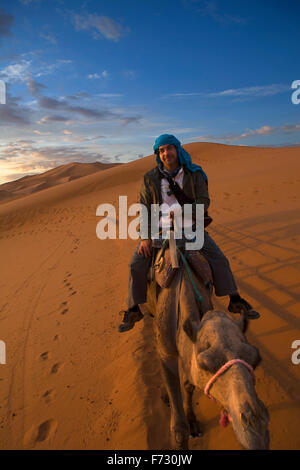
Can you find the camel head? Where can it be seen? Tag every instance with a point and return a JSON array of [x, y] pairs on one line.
[[216, 340]]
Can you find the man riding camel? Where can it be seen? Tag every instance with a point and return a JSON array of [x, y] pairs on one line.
[[176, 175]]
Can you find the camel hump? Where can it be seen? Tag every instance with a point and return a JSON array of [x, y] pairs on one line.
[[200, 266]]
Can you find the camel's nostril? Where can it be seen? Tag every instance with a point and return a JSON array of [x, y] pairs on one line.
[[244, 420]]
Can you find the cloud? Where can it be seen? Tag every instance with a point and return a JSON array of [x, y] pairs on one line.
[[211, 10], [249, 133], [251, 92], [36, 131], [47, 69], [49, 37], [93, 76], [13, 113], [101, 26], [53, 118], [61, 154], [46, 102], [267, 130], [25, 141], [130, 74], [87, 139], [91, 113], [128, 120], [6, 22], [266, 90], [18, 160], [16, 72], [54, 104], [20, 72], [35, 87], [109, 95], [78, 96], [59, 109]]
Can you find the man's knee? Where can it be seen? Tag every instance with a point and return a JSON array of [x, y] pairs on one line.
[[223, 259], [217, 258]]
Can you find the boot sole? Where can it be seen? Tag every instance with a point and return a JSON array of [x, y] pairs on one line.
[[125, 327], [250, 314]]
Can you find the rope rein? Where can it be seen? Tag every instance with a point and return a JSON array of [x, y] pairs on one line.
[[225, 416], [187, 267], [223, 369]]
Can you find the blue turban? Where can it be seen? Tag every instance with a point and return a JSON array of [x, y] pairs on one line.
[[183, 156]]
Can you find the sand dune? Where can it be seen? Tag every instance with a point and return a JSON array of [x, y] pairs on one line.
[[71, 380], [62, 174]]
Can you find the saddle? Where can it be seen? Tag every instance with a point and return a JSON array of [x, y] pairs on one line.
[[164, 267]]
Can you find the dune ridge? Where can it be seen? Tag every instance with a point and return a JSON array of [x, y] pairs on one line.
[[59, 175]]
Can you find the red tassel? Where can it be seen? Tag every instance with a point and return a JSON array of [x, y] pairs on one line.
[[224, 419]]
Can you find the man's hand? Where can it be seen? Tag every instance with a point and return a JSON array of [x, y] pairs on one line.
[[145, 248]]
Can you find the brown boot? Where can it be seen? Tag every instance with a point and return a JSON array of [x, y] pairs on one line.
[[131, 316], [239, 305]]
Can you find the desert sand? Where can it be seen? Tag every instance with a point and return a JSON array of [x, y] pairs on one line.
[[71, 381]]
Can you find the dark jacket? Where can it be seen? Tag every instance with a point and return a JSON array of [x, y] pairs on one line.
[[194, 186]]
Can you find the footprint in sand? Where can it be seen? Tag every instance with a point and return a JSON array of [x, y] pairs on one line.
[[56, 367], [64, 311], [44, 356], [48, 395], [41, 433], [73, 293]]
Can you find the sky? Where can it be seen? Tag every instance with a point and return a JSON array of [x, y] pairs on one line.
[[99, 80]]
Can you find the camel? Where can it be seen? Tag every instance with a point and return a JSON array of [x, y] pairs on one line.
[[193, 342]]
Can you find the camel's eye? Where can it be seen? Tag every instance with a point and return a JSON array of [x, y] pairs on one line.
[[250, 354], [210, 360]]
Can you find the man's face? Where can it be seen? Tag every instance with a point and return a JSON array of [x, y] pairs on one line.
[[168, 155]]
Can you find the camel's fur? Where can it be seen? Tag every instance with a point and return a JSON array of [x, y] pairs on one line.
[[193, 351]]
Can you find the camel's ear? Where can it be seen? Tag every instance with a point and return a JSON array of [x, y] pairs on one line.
[[242, 323], [191, 328]]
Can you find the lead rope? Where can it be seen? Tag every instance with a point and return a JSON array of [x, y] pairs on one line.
[[225, 416], [198, 295]]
